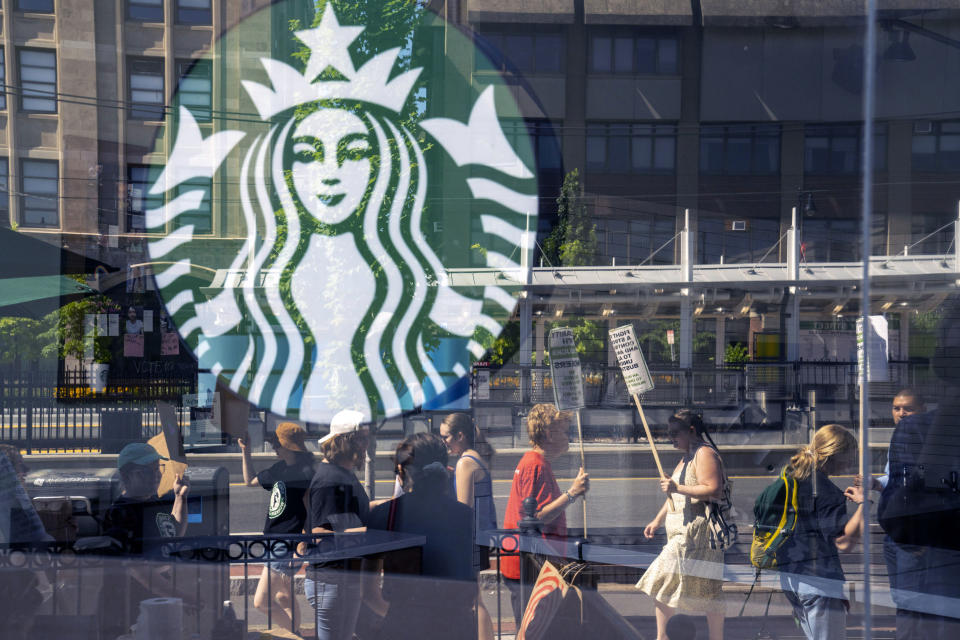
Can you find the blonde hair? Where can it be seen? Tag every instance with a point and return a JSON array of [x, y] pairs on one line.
[[540, 418], [829, 441]]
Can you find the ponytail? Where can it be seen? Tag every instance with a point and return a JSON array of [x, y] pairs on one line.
[[688, 418], [829, 441]]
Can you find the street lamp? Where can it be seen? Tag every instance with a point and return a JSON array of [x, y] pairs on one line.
[[806, 208]]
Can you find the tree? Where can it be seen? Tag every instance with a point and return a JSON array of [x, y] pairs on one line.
[[573, 241]]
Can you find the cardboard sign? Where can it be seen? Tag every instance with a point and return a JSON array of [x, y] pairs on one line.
[[669, 336], [133, 345], [168, 444], [170, 344], [879, 354], [565, 369], [483, 384], [630, 358]]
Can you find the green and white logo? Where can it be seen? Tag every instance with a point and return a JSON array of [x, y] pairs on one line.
[[350, 230], [278, 500]]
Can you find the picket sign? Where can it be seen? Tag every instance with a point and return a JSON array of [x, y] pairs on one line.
[[637, 376], [567, 380]]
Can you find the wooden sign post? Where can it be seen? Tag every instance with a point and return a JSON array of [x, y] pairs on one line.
[[638, 379], [568, 385]]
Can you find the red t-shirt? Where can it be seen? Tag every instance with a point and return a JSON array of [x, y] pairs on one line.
[[532, 478]]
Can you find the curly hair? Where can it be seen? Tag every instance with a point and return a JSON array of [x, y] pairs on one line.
[[540, 418]]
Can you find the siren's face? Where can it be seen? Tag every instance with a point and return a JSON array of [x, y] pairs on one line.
[[331, 167]]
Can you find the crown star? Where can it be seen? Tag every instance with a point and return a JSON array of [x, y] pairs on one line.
[[329, 45]]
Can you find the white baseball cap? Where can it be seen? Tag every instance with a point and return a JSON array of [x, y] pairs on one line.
[[346, 421]]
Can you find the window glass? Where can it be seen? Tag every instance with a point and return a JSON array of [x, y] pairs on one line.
[[202, 217], [738, 155], [39, 204], [646, 55], [596, 148], [38, 76], [619, 148], [623, 55], [195, 88], [3, 78], [601, 54], [663, 153], [147, 10], [667, 58], [139, 181], [194, 12], [146, 88], [4, 193], [549, 53], [518, 50], [35, 6]]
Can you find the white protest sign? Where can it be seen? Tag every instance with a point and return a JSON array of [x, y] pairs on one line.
[[878, 370], [630, 358], [565, 369]]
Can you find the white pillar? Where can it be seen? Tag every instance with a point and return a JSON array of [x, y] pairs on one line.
[[526, 321], [686, 309], [905, 335], [539, 340], [792, 308]]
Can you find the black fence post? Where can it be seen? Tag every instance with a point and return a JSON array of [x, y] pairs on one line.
[[29, 406]]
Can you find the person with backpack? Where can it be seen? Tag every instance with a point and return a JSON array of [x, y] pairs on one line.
[[688, 573], [817, 527]]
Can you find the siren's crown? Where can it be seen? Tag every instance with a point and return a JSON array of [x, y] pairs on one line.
[[329, 49]]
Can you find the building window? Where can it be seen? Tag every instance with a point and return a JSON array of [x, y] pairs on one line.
[[202, 217], [38, 79], [195, 88], [830, 240], [931, 233], [631, 242], [630, 53], [740, 150], [139, 181], [638, 148], [194, 12], [35, 6], [146, 10], [520, 52], [4, 193], [737, 241], [3, 78], [145, 79], [543, 137], [40, 193], [937, 151], [835, 149]]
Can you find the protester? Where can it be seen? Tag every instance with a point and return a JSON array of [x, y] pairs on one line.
[[549, 432], [337, 502], [809, 563], [139, 520], [440, 602], [688, 573], [287, 481], [474, 488], [906, 403]]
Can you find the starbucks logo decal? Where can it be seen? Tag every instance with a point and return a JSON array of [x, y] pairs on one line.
[[318, 247], [278, 500]]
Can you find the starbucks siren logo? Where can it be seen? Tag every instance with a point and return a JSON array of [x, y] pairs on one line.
[[335, 296]]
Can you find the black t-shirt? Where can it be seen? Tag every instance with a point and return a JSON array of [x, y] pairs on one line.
[[287, 485], [337, 501], [139, 524], [812, 550]]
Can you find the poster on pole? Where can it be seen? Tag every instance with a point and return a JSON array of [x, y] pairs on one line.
[[630, 358], [565, 369], [878, 370]]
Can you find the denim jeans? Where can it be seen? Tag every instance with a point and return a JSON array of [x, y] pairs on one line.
[[820, 617], [335, 596]]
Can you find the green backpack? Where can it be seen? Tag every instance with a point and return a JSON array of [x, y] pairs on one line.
[[775, 518]]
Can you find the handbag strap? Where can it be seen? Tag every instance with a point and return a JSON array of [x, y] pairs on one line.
[[392, 515]]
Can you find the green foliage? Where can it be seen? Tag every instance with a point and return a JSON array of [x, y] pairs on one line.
[[501, 349], [68, 328], [573, 241], [589, 336], [18, 340], [735, 355]]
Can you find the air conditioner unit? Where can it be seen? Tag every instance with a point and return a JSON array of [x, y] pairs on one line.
[[736, 225], [922, 127]]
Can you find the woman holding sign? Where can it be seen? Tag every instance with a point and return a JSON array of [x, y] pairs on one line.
[[688, 573]]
